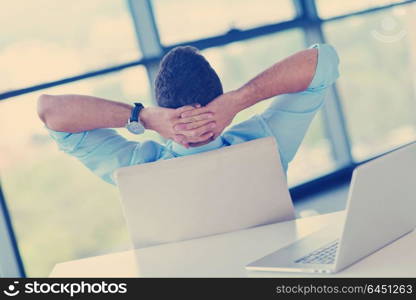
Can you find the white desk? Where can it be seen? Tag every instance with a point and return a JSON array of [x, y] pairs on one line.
[[226, 255]]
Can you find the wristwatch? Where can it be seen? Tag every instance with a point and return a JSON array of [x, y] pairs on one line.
[[133, 124]]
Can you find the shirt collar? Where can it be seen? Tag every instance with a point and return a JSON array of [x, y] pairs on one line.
[[182, 151]]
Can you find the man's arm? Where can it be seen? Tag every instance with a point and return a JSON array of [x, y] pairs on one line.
[[289, 116], [79, 113], [291, 75]]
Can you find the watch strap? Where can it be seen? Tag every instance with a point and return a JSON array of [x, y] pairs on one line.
[[135, 112]]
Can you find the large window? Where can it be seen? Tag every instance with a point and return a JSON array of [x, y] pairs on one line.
[[331, 8], [61, 211], [186, 20], [54, 199], [45, 40], [378, 54]]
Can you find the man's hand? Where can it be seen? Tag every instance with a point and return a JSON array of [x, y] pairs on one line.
[[163, 121], [223, 108]]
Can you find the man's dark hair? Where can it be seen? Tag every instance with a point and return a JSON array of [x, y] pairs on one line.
[[185, 77]]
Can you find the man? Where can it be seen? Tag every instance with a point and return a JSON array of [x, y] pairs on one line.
[[194, 111]]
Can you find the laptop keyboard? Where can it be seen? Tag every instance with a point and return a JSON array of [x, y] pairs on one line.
[[324, 255]]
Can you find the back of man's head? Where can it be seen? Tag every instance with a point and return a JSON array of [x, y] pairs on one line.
[[185, 77]]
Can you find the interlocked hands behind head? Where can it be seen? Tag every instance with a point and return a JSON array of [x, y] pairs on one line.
[[191, 126]]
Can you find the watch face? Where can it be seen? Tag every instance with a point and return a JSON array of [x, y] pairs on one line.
[[135, 127]]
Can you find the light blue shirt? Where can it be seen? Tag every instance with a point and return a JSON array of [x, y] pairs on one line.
[[286, 119]]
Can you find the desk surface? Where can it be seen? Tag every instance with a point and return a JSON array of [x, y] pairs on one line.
[[225, 255]]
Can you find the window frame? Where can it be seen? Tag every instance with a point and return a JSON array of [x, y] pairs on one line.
[[11, 264], [307, 19]]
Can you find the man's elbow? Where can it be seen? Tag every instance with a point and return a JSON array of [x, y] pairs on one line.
[[327, 67], [48, 112], [331, 64], [42, 107]]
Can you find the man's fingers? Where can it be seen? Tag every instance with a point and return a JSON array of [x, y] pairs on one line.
[[203, 138], [200, 119], [189, 126], [196, 111], [198, 131], [181, 139], [185, 108]]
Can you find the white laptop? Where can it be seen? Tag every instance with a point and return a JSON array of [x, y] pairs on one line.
[[219, 191], [381, 208]]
